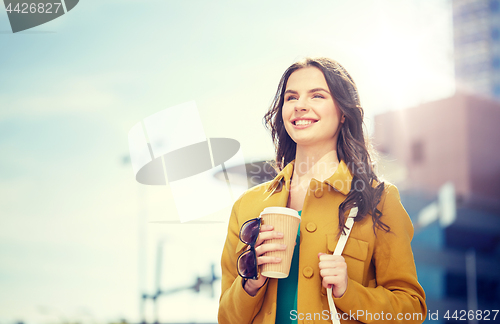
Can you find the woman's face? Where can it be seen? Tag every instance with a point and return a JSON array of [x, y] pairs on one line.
[[309, 112]]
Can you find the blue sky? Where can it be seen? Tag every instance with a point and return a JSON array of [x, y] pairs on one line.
[[72, 218]]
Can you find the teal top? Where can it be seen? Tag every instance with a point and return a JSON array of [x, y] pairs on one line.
[[286, 300]]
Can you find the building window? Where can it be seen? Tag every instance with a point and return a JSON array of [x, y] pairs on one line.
[[417, 152]]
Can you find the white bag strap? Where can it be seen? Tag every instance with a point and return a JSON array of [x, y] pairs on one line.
[[338, 251]]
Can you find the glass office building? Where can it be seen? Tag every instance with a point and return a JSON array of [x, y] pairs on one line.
[[476, 27]]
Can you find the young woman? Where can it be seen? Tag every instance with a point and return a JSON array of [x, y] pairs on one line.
[[325, 170]]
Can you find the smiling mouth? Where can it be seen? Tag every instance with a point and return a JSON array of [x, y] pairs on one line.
[[303, 122]]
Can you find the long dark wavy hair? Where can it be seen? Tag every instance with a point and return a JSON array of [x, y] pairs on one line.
[[352, 146]]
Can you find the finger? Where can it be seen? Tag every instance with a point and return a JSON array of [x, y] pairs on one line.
[[330, 272], [327, 264], [330, 257], [266, 228], [331, 281], [269, 235], [264, 248], [335, 260], [325, 257], [332, 264], [263, 236], [263, 259], [327, 285]]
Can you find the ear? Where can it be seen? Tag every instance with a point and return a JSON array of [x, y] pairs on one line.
[[343, 119]]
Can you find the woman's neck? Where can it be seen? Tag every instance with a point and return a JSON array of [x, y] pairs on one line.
[[313, 163]]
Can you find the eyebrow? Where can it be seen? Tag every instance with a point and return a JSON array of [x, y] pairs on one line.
[[310, 91]]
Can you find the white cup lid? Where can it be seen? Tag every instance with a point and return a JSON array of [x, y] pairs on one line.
[[280, 210]]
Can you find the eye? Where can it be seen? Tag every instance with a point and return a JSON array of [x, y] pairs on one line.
[[290, 98], [317, 95]]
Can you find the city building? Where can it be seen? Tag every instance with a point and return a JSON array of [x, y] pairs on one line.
[[444, 157], [476, 28]]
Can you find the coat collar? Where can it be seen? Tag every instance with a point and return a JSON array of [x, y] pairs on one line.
[[340, 180]]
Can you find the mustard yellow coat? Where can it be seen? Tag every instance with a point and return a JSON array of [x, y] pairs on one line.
[[382, 284]]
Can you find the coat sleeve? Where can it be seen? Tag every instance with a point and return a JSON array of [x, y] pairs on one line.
[[398, 291], [235, 304]]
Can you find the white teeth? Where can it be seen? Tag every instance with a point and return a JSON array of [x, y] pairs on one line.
[[303, 122]]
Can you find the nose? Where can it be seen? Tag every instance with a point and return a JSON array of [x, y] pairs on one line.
[[300, 105]]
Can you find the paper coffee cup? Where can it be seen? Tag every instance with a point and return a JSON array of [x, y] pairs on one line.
[[286, 221]]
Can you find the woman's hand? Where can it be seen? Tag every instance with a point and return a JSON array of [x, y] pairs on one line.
[[266, 233], [333, 269]]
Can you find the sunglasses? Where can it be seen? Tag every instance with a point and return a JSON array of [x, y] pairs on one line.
[[247, 261]]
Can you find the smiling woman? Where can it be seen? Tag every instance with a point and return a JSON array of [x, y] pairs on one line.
[[309, 105], [326, 174]]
